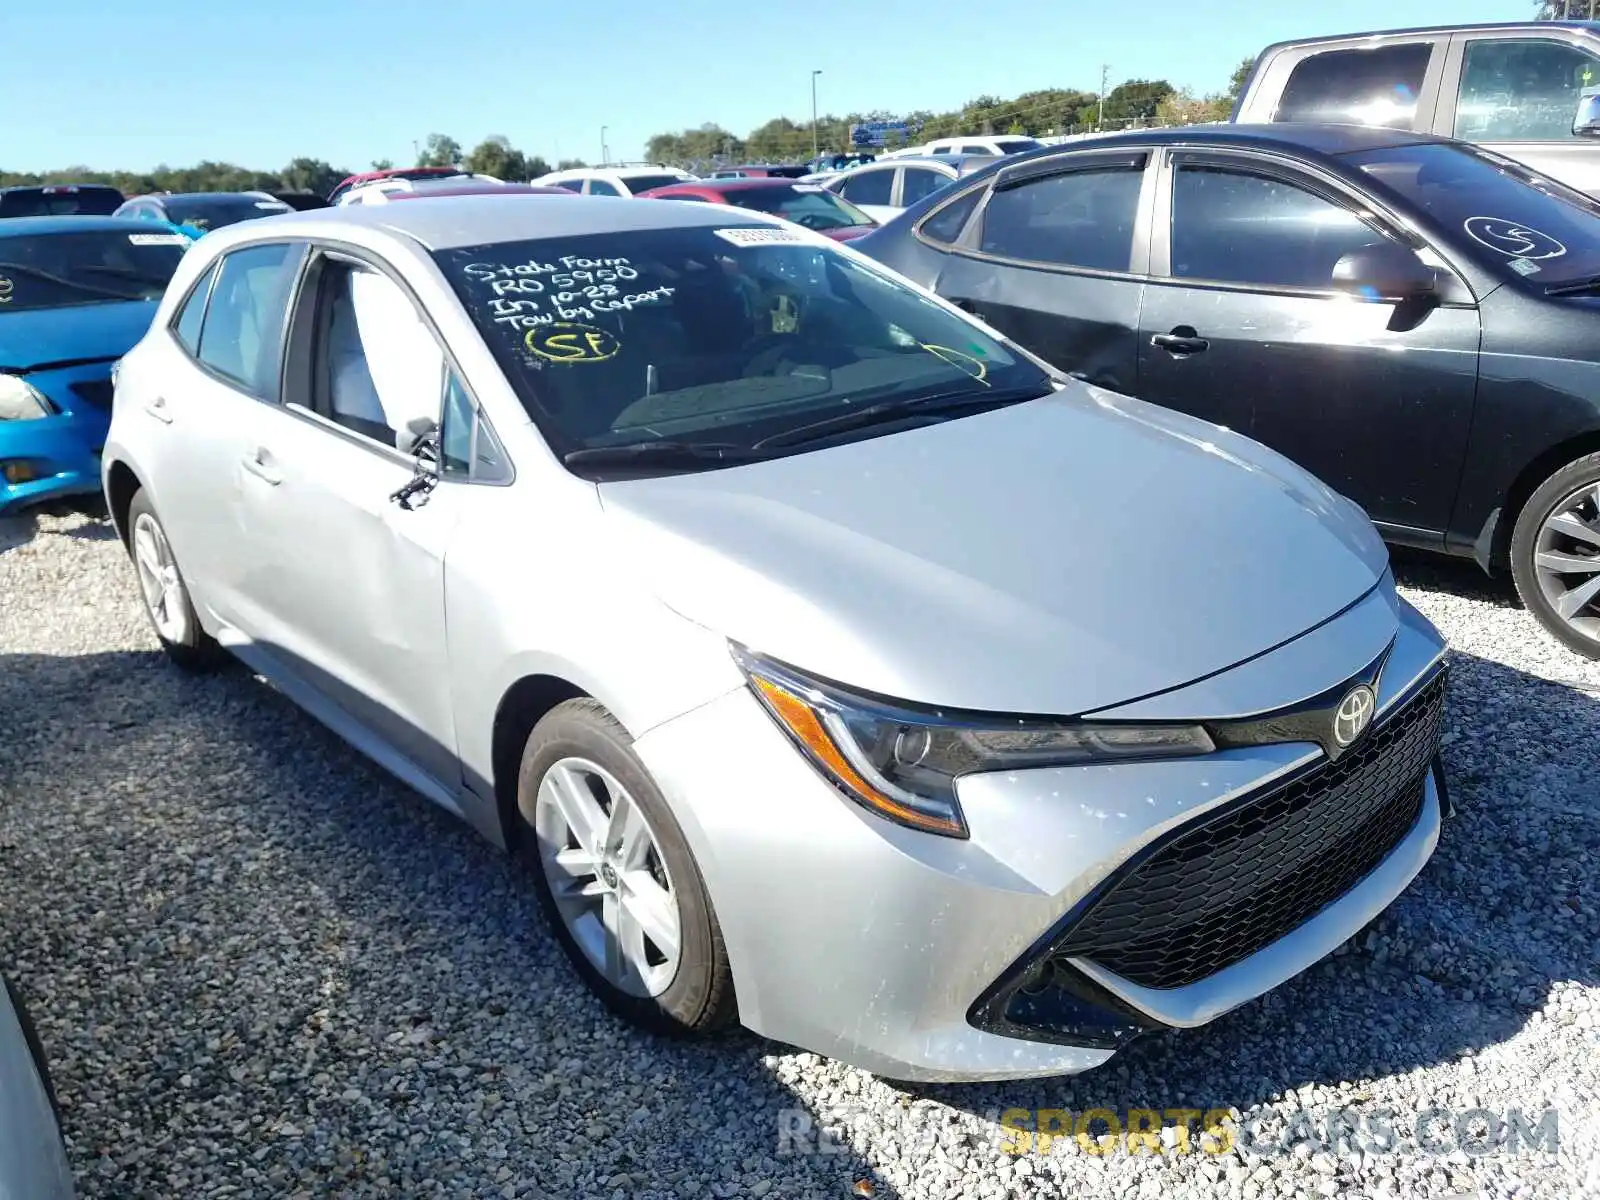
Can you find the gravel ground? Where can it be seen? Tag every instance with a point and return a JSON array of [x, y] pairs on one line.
[[261, 968]]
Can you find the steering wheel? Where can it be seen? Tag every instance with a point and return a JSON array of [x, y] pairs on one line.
[[766, 352]]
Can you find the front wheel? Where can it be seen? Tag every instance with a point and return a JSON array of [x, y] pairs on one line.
[[1555, 555], [616, 877], [165, 595]]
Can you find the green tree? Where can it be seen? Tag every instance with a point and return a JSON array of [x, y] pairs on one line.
[[1237, 80], [1136, 100], [571, 164], [310, 175], [439, 151], [383, 164], [496, 156]]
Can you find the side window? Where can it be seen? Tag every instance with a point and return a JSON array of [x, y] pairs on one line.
[[1075, 219], [468, 447], [941, 148], [1357, 87], [1236, 227], [869, 187], [242, 337], [946, 224], [572, 185], [599, 187], [918, 183], [186, 328], [1521, 89], [378, 369]]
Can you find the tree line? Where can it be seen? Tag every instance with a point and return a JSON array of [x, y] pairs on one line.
[[1132, 103], [495, 155]]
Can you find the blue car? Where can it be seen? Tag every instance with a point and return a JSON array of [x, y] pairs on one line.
[[75, 294]]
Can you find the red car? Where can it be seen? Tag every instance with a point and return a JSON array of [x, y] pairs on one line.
[[391, 173], [803, 203]]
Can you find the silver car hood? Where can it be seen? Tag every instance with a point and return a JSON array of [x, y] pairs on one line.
[[1052, 557]]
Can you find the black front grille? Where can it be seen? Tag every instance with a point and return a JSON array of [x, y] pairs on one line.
[[1220, 891], [94, 391]]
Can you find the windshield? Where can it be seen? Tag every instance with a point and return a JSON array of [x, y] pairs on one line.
[[713, 336], [643, 183], [64, 201], [211, 212], [1517, 223], [55, 270], [803, 204]]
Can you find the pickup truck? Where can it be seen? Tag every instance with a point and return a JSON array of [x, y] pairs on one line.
[[1527, 90]]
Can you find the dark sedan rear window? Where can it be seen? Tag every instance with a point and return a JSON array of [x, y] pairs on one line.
[[60, 201]]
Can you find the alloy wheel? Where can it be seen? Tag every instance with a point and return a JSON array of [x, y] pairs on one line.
[[607, 876], [159, 580]]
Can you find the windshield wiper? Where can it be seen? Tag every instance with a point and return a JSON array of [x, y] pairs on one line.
[[35, 272], [667, 454], [1575, 288], [941, 404]]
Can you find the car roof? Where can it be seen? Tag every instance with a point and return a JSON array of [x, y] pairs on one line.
[[60, 187], [1321, 139], [164, 196], [70, 223], [448, 222], [735, 184], [1485, 27]]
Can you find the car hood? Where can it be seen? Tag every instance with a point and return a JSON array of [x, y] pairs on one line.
[[42, 337], [1052, 557]]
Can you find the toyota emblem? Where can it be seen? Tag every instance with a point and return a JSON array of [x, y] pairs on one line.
[[1354, 715]]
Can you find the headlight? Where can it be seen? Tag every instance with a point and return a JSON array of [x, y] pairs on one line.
[[903, 764], [21, 401]]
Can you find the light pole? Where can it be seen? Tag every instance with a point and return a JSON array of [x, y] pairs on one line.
[[816, 151], [1100, 112], [605, 154]]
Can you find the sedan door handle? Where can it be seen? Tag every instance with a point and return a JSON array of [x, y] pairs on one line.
[[157, 408], [260, 465], [1180, 342]]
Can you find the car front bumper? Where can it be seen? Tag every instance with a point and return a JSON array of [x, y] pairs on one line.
[[902, 952], [59, 455]]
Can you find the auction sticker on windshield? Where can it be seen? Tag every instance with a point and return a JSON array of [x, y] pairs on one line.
[[1512, 238], [158, 239], [750, 236]]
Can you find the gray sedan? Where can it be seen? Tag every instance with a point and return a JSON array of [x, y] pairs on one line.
[[836, 665]]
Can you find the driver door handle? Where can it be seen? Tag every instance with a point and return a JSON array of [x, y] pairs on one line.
[[1181, 342], [260, 465], [157, 408]]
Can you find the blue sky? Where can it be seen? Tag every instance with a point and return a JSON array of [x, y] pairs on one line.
[[354, 80]]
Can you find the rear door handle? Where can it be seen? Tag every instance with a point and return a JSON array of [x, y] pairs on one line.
[[260, 465], [157, 408], [1180, 342]]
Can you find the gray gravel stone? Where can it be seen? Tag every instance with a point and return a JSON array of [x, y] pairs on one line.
[[261, 968]]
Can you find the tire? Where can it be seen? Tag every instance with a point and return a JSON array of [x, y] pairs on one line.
[[1571, 491], [177, 625], [579, 749]]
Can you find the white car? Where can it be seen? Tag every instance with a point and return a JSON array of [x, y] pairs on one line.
[[617, 179], [883, 190], [1006, 143], [837, 666]]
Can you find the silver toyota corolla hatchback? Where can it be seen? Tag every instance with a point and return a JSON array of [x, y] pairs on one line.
[[839, 667]]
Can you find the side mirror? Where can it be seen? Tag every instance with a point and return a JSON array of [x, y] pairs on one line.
[[420, 439], [1384, 271], [1586, 120]]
